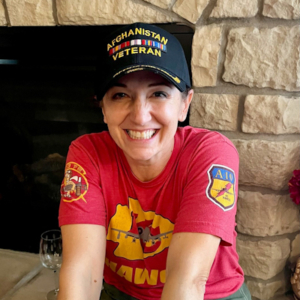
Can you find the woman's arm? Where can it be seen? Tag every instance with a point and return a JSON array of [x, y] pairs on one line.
[[189, 261], [81, 272]]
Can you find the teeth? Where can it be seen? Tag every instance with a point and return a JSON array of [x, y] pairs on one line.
[[138, 135]]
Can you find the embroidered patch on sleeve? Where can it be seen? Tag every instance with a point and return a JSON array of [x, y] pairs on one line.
[[221, 186], [75, 184]]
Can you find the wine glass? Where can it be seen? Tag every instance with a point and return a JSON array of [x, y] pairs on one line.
[[51, 256]]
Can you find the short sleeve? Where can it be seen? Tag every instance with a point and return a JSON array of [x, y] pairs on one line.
[[208, 204], [81, 194]]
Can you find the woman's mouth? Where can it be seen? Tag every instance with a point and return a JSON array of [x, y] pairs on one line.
[[141, 135]]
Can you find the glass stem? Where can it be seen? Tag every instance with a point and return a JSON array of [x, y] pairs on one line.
[[56, 281]]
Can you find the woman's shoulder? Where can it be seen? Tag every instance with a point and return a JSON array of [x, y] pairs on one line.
[[191, 135], [97, 148], [93, 138], [94, 142]]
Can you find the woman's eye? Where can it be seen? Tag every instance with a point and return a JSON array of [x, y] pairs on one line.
[[119, 95], [160, 95]]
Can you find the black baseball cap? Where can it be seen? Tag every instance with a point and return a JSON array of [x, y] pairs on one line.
[[137, 47]]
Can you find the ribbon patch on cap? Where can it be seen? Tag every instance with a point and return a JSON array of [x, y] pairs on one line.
[[221, 186], [131, 43], [137, 46], [75, 184]]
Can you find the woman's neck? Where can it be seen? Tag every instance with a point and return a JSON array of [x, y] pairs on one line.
[[148, 170]]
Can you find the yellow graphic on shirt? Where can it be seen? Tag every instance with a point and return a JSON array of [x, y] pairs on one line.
[[139, 234], [137, 275]]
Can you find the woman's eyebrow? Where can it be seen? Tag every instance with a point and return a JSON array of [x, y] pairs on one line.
[[119, 84]]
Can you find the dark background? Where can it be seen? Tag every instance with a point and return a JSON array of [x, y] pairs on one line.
[[46, 101]]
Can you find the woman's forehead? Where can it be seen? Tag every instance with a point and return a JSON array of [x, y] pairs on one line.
[[144, 76]]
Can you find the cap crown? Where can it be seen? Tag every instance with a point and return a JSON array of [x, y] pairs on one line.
[[142, 46]]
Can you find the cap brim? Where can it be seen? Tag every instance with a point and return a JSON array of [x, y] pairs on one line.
[[179, 83]]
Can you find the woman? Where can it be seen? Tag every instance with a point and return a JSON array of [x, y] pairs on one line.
[[149, 204]]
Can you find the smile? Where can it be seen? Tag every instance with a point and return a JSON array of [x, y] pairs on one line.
[[141, 135]]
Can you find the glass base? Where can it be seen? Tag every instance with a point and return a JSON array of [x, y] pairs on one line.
[[52, 295]]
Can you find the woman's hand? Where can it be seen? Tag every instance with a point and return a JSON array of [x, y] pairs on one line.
[[81, 272], [190, 258]]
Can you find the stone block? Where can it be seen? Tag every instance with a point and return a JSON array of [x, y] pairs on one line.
[[263, 259], [267, 164], [30, 12], [235, 9], [191, 10], [266, 290], [214, 111], [295, 251], [283, 9], [3, 21], [266, 214], [266, 57], [271, 114], [205, 49], [105, 12], [165, 4]]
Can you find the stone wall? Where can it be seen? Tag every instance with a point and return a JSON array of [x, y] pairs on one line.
[[246, 75]]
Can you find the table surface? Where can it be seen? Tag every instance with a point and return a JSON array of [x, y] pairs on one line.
[[15, 266], [36, 281]]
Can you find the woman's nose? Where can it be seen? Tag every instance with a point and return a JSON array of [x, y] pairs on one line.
[[140, 111]]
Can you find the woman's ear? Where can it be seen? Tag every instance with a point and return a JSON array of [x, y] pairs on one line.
[[103, 110], [186, 104]]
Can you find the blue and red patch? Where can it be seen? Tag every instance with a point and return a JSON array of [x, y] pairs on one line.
[[221, 186]]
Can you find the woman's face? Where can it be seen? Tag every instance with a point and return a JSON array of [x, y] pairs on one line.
[[142, 110]]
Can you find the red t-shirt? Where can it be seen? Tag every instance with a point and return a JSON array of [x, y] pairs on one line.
[[196, 192]]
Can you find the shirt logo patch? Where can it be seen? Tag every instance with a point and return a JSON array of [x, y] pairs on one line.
[[75, 184], [221, 186]]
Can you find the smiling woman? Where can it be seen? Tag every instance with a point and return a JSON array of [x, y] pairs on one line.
[[142, 110], [147, 205]]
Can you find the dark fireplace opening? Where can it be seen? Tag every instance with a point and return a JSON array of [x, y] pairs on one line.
[[46, 101]]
